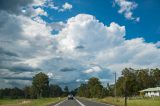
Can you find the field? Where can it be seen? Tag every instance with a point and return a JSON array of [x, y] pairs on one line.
[[131, 101], [28, 102]]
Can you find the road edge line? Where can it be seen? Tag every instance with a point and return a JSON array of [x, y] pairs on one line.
[[79, 102], [60, 102]]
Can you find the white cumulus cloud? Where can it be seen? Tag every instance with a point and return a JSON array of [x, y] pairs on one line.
[[82, 43], [93, 70], [126, 8], [158, 44], [86, 39], [65, 6]]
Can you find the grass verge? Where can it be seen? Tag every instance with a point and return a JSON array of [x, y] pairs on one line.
[[29, 102], [131, 101]]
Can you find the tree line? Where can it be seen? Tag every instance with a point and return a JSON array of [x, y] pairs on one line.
[[129, 83], [94, 89], [40, 88], [136, 80]]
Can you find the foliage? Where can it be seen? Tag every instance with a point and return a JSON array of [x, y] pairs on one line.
[[13, 93], [66, 91], [40, 88], [74, 92], [130, 83], [93, 89], [137, 80], [55, 91], [40, 85]]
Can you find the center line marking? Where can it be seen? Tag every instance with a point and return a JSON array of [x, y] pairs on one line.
[[79, 102]]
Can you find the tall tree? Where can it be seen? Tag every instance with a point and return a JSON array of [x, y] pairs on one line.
[[95, 87], [40, 85], [155, 75], [110, 89], [143, 78], [83, 91]]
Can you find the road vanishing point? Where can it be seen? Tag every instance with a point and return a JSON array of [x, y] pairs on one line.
[[78, 102]]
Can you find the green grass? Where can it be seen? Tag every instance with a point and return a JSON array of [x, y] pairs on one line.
[[132, 101], [29, 102]]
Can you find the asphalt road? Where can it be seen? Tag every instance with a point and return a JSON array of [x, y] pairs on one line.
[[78, 102]]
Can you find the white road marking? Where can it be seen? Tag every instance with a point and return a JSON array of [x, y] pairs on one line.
[[60, 102], [79, 102]]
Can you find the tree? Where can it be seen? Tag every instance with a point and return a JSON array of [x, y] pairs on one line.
[[110, 89], [155, 75], [33, 92], [66, 91], [120, 86], [143, 78], [137, 80], [1, 93], [40, 85], [95, 87], [27, 92], [129, 79], [83, 91], [74, 92], [55, 91], [16, 93]]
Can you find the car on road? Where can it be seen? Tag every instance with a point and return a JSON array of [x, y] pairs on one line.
[[70, 97]]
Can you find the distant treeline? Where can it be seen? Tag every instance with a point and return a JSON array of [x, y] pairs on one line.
[[136, 80], [129, 83], [40, 88], [28, 92]]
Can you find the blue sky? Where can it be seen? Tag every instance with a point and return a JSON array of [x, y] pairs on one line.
[[147, 10], [73, 40]]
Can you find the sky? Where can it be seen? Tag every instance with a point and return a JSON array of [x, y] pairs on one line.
[[73, 40]]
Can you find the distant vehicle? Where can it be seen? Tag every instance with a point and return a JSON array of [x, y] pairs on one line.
[[70, 97]]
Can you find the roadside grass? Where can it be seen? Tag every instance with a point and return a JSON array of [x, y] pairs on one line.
[[131, 101], [29, 102]]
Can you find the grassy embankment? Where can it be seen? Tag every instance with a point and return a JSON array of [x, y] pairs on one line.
[[131, 102], [29, 102]]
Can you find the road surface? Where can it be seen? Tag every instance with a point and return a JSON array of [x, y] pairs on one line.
[[78, 102]]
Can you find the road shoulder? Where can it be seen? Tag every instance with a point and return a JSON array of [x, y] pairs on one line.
[[57, 103], [94, 101]]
